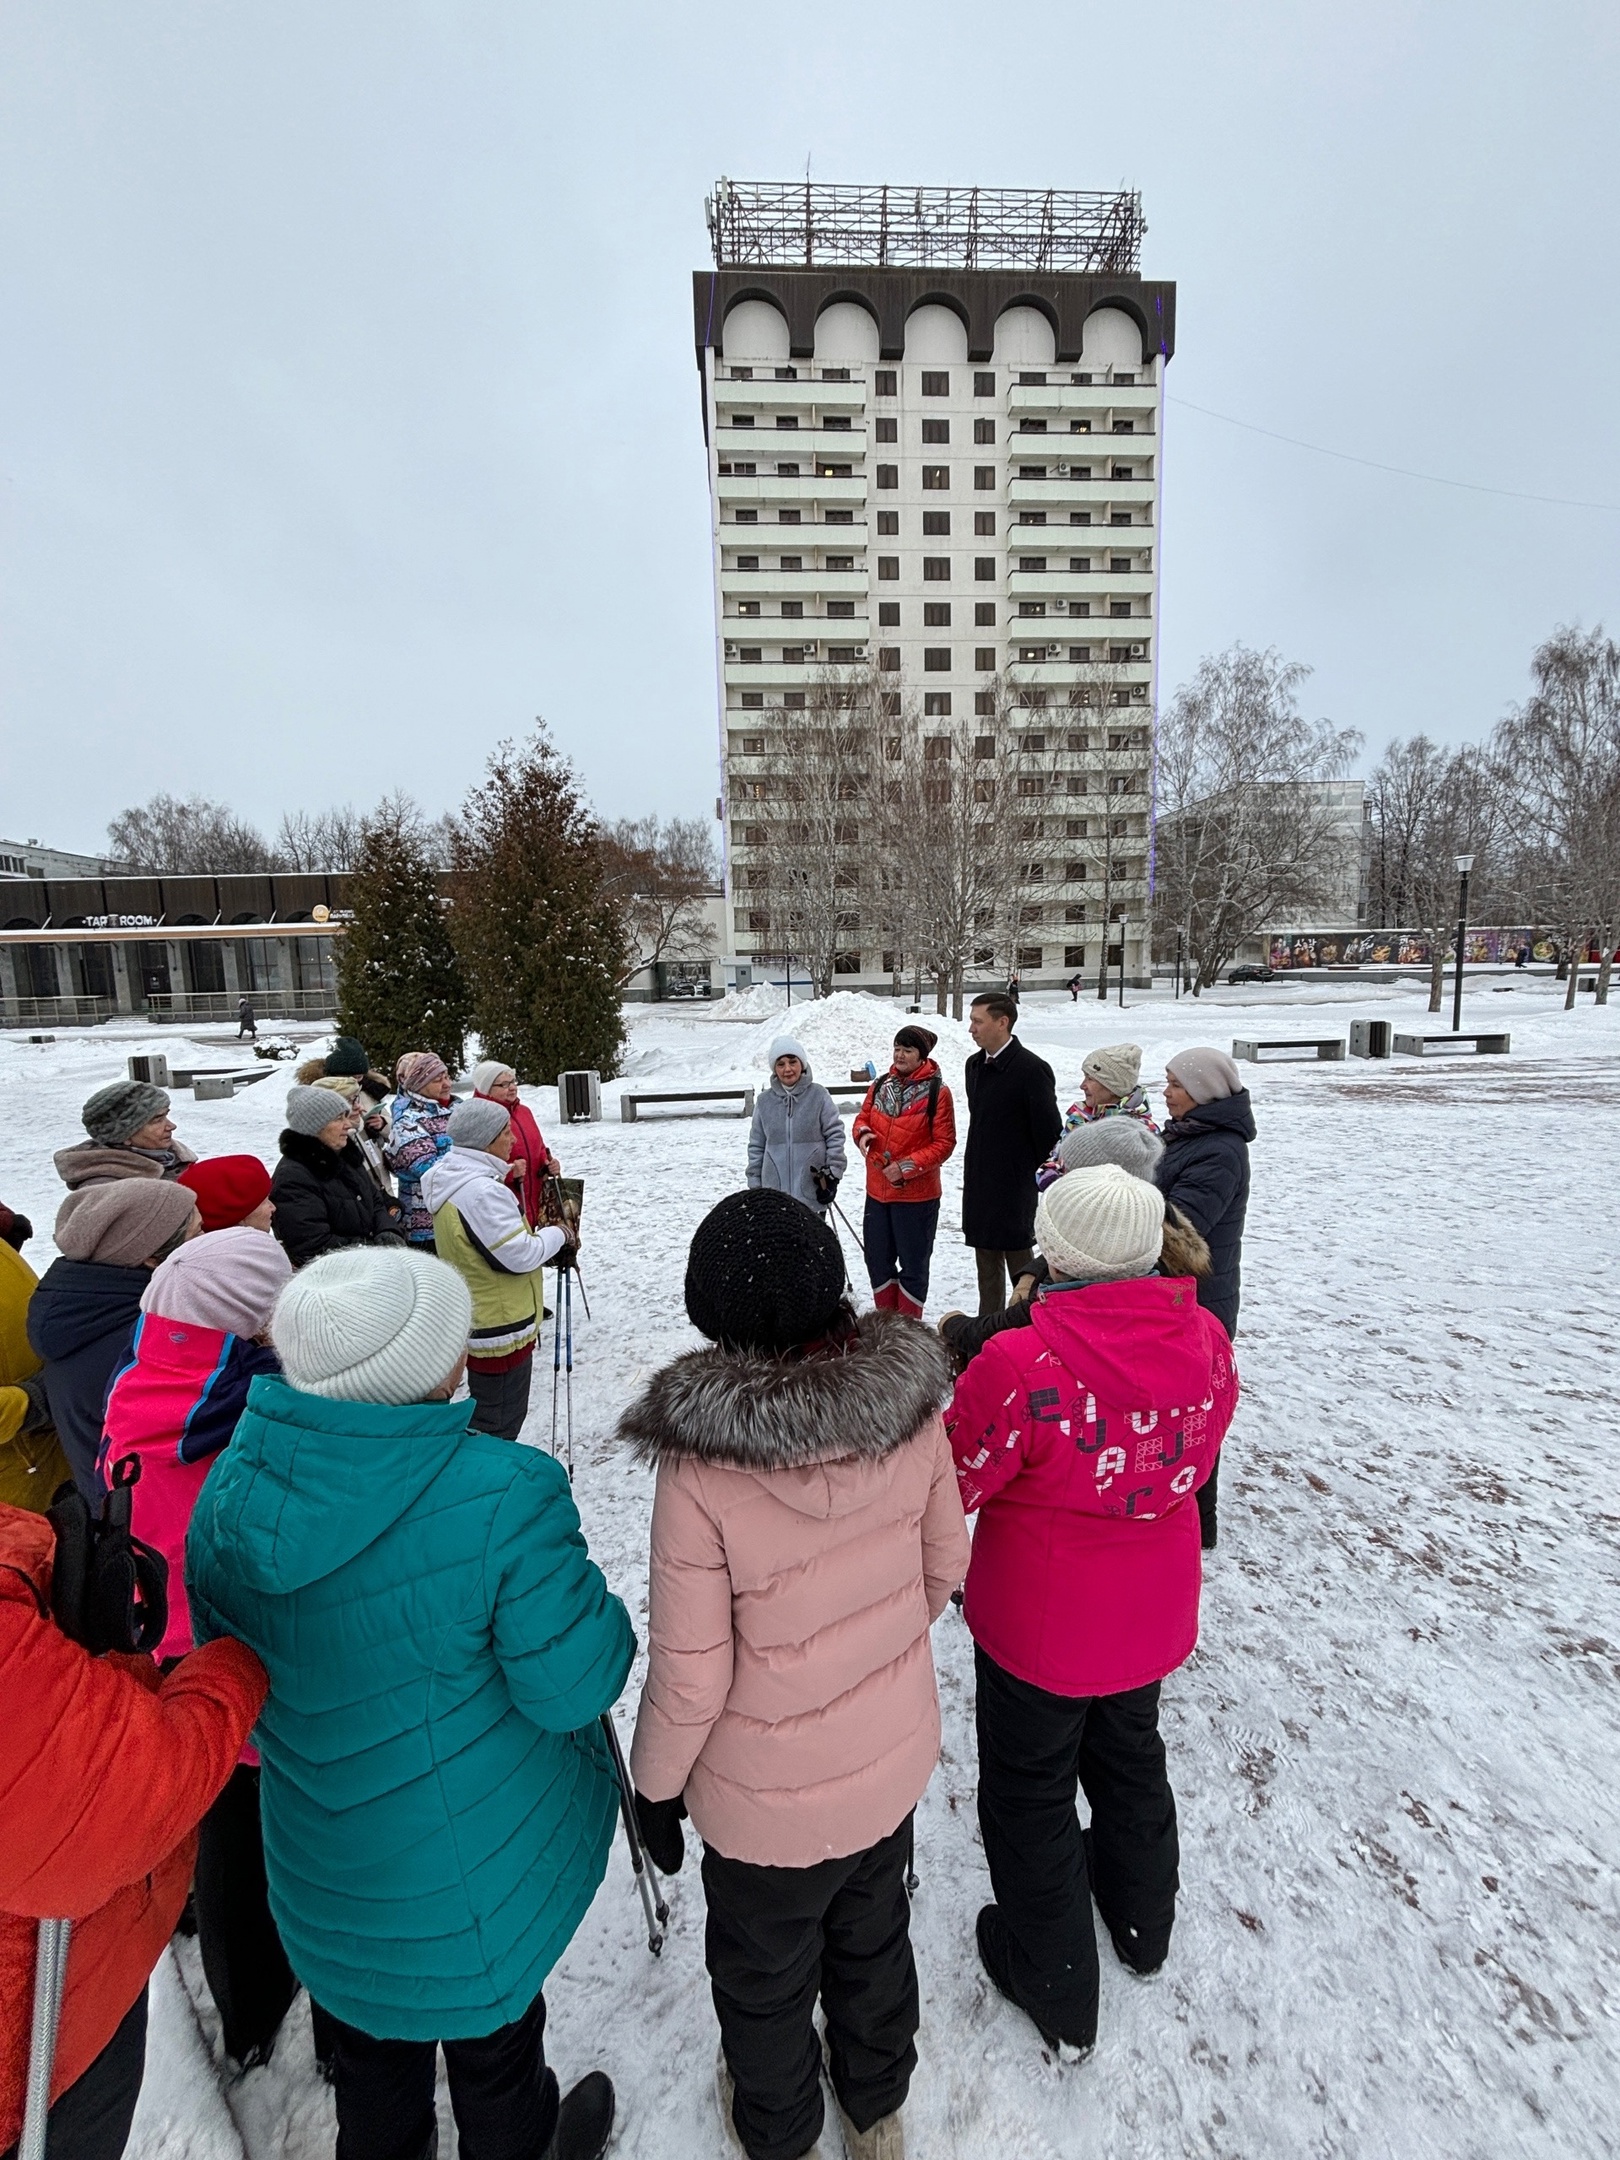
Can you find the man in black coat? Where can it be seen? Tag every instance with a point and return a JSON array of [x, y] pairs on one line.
[[1013, 1125], [323, 1193], [1204, 1171]]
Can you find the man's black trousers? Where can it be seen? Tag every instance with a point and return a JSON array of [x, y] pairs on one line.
[[243, 1961], [777, 1937], [504, 2097], [1034, 1748], [502, 1399]]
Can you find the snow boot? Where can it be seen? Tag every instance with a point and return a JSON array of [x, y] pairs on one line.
[[1143, 1949], [725, 2093], [887, 1298], [584, 2120], [908, 1304], [994, 1956], [886, 2140]]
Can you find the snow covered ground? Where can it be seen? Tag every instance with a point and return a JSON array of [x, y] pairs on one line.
[[1395, 1750]]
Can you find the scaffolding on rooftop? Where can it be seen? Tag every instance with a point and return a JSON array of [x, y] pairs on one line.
[[813, 224]]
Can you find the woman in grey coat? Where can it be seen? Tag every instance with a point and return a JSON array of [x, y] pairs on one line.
[[797, 1131]]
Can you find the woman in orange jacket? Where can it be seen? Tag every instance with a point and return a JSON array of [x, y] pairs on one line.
[[905, 1128], [106, 1769]]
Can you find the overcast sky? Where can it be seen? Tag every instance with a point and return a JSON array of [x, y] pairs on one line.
[[349, 416]]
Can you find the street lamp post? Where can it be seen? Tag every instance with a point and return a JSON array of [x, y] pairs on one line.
[[1465, 863]]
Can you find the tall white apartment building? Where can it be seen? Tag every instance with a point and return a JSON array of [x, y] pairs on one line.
[[933, 420]]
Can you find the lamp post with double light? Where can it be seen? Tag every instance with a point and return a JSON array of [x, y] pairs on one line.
[[1465, 863]]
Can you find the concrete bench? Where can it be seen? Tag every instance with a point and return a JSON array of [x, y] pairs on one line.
[[630, 1105], [220, 1086], [1482, 1045], [1319, 1046]]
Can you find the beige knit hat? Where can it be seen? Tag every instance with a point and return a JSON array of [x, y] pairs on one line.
[[124, 1223], [1100, 1225], [372, 1323], [1116, 1066]]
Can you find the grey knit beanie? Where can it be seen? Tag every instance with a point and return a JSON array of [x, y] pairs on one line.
[[123, 1223], [1207, 1074], [475, 1122], [122, 1108], [311, 1109], [372, 1323], [1122, 1140]]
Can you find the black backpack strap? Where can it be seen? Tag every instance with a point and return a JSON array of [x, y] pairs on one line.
[[109, 1588]]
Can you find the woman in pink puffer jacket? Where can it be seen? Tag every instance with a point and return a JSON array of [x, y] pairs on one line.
[[806, 1534], [1081, 1442]]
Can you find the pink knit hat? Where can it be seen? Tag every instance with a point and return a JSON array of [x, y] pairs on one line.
[[418, 1070], [226, 1279]]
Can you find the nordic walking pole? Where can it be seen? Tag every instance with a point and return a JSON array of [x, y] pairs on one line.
[[568, 1386], [583, 1299], [50, 1975], [652, 1898], [556, 1365]]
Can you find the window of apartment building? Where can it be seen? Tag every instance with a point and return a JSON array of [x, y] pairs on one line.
[[984, 659], [793, 609], [936, 476], [888, 569], [936, 614], [787, 420], [984, 614], [1078, 657], [842, 655], [1030, 655], [1026, 379], [752, 699], [1079, 607], [936, 431], [1032, 427], [984, 477], [1032, 472], [1080, 564], [793, 700], [1032, 517], [751, 745], [747, 607], [888, 524], [1124, 427], [984, 431], [745, 472], [1119, 610], [984, 569], [984, 746], [1123, 472], [838, 609], [1031, 784], [888, 614], [1034, 744], [1079, 427], [835, 420], [937, 706], [889, 659], [889, 704], [838, 517], [1119, 564], [885, 428], [792, 562], [884, 382], [750, 655], [824, 471], [1080, 378], [936, 569], [888, 476], [1119, 517], [936, 524], [937, 659], [1074, 956], [1075, 874], [1033, 873], [759, 918], [747, 562], [742, 419], [840, 562], [1027, 608], [786, 472], [984, 525], [937, 747], [935, 383], [793, 656], [741, 374], [1032, 562], [789, 517], [1074, 828], [1079, 517], [1080, 472], [984, 384], [835, 374], [1030, 914], [747, 517]]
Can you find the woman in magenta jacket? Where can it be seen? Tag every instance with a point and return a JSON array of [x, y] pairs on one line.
[[1081, 1441]]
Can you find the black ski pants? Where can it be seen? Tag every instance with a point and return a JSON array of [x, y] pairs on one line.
[[504, 2097], [502, 1399], [91, 2120], [243, 1961], [777, 1938], [1034, 1748], [899, 1240]]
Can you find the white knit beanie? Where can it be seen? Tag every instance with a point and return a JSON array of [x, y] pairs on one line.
[[489, 1073], [372, 1323], [1116, 1066], [1100, 1225]]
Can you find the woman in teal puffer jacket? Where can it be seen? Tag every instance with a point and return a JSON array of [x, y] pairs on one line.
[[438, 1801]]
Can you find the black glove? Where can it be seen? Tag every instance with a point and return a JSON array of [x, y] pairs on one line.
[[18, 1231], [38, 1414], [824, 1185], [569, 1254], [660, 1824]]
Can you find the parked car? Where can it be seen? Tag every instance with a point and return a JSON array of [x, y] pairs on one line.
[[1251, 974]]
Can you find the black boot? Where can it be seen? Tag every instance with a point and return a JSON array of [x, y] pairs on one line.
[[584, 2120], [994, 1957], [1144, 1950]]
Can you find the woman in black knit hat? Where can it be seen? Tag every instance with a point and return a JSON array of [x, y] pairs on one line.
[[906, 1129]]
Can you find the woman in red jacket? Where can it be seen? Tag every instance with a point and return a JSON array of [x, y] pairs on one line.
[[532, 1162], [905, 1128], [105, 1772]]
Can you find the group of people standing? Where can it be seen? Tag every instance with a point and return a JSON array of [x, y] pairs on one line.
[[398, 1605]]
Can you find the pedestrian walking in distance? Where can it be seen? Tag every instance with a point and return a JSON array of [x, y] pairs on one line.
[[1013, 1125], [478, 1227], [1204, 1172], [796, 1142], [906, 1129], [247, 1020], [1080, 1440], [438, 1796], [806, 1533]]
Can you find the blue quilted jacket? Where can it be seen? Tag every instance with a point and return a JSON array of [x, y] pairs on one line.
[[437, 1799]]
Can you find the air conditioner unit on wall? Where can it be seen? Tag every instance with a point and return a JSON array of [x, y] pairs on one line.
[[1138, 651]]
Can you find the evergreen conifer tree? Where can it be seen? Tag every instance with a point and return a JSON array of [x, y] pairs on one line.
[[400, 984], [540, 938]]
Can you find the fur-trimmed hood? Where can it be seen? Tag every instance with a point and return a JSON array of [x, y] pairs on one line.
[[743, 1411]]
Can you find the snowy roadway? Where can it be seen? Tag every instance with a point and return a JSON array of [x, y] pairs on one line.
[[1395, 1751]]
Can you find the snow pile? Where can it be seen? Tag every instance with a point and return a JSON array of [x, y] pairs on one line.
[[756, 1004], [841, 1032]]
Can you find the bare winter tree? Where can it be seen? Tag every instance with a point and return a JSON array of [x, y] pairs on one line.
[[194, 837], [1430, 805], [318, 839], [1558, 757], [1245, 834], [659, 875]]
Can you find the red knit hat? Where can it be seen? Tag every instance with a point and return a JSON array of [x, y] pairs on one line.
[[228, 1188]]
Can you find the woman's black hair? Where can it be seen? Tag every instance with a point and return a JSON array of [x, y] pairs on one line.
[[915, 1038]]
